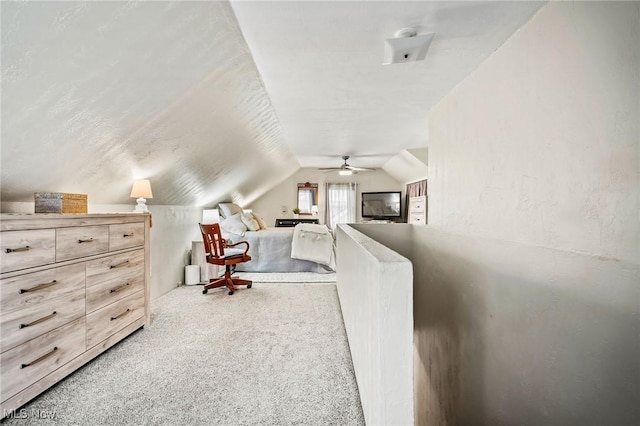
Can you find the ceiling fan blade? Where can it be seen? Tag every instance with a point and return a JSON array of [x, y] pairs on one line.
[[346, 167], [360, 169]]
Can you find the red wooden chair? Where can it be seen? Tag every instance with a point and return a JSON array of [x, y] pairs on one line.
[[219, 252]]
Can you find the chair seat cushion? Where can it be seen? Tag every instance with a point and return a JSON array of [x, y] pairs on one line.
[[233, 252]]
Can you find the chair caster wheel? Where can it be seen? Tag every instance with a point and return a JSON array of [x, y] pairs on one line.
[[204, 291], [249, 286], [230, 293]]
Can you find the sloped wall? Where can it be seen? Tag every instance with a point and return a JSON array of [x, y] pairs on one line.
[[97, 94], [526, 292]]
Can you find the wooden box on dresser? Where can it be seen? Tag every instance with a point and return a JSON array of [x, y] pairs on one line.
[[71, 286]]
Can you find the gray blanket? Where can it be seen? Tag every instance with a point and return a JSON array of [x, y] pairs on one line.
[[270, 251]]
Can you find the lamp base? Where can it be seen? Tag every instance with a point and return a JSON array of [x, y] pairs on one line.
[[142, 206]]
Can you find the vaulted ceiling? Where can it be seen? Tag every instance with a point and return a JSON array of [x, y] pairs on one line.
[[217, 100]]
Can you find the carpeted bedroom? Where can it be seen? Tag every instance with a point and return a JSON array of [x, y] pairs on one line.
[[273, 354]]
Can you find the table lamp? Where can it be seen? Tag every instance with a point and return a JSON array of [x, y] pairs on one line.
[[142, 190]]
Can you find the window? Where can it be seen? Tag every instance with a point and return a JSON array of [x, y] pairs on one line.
[[341, 204]]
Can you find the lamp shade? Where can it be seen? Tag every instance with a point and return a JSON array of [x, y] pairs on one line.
[[141, 188]]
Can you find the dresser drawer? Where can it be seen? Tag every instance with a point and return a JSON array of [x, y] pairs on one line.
[[24, 365], [417, 219], [114, 278], [18, 326], [24, 291], [418, 204], [25, 249], [75, 242], [106, 321], [126, 235]]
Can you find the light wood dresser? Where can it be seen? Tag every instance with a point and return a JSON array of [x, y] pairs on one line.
[[71, 286]]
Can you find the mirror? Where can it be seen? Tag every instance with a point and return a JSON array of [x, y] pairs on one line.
[[307, 197]]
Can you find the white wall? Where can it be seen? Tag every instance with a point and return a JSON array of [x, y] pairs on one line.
[[375, 289], [526, 293], [540, 144], [286, 193], [173, 230]]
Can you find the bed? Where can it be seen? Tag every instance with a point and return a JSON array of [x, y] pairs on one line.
[[270, 251], [271, 248]]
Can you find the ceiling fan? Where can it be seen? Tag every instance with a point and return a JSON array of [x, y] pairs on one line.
[[346, 169]]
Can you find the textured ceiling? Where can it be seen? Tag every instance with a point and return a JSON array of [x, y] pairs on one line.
[[96, 94], [322, 66]]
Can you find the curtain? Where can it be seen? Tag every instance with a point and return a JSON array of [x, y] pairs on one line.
[[415, 189], [341, 204]]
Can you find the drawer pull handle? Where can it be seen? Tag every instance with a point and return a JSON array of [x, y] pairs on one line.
[[122, 314], [117, 289], [88, 240], [38, 321], [128, 235], [119, 264], [38, 287], [35, 361], [10, 250]]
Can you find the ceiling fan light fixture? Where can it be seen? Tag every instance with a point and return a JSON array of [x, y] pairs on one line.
[[407, 46], [345, 169]]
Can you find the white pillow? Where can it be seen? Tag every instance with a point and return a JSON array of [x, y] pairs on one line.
[[229, 209], [250, 222], [233, 224], [260, 221]]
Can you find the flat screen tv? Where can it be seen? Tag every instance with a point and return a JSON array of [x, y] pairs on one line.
[[381, 205]]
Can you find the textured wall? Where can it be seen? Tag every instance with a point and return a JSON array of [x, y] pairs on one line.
[[526, 296], [513, 334], [540, 144], [375, 290]]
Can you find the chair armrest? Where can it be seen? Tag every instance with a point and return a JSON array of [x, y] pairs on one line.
[[239, 242]]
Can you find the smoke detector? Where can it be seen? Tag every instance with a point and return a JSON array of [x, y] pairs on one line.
[[406, 46]]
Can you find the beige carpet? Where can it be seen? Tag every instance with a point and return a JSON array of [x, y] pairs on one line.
[[270, 355]]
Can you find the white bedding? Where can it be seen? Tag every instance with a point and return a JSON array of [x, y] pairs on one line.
[[270, 251], [314, 243]]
